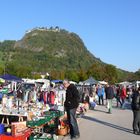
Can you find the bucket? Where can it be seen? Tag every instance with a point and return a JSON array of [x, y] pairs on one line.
[[1, 128]]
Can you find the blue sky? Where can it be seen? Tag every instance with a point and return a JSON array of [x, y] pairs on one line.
[[110, 29]]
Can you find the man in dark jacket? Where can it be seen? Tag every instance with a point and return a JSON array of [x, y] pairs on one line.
[[71, 104], [136, 111], [109, 96]]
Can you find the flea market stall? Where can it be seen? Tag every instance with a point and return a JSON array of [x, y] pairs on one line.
[[33, 112], [33, 120]]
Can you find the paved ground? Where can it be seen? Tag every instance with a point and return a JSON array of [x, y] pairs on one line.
[[99, 125]]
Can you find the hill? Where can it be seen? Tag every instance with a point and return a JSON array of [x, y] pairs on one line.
[[50, 50]]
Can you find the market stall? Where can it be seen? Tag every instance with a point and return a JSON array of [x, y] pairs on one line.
[[20, 120]]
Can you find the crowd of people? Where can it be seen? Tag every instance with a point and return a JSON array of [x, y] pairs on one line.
[[101, 93], [118, 96], [105, 95]]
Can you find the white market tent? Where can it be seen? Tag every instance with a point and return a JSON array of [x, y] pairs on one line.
[[102, 82], [125, 83]]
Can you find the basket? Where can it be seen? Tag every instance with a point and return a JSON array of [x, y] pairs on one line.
[[63, 130]]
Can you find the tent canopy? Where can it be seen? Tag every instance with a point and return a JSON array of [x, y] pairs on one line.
[[103, 82], [90, 81], [125, 83], [11, 78]]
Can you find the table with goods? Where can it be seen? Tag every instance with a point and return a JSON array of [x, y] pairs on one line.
[[32, 121]]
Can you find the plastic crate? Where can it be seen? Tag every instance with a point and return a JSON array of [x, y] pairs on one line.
[[49, 115], [39, 122], [54, 113]]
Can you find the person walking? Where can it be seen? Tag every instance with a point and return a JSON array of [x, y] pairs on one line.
[[100, 93], [109, 96], [123, 96], [118, 92], [71, 103], [135, 104]]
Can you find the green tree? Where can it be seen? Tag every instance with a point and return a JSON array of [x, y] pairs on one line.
[[1, 70], [111, 73], [82, 75], [96, 71], [11, 68], [72, 75], [22, 71]]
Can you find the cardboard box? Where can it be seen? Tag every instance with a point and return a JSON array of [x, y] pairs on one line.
[[18, 128]]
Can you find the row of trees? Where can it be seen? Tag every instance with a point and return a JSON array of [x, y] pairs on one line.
[[100, 72]]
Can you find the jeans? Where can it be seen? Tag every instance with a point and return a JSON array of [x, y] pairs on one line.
[[136, 121], [118, 101], [109, 105], [71, 114], [101, 98]]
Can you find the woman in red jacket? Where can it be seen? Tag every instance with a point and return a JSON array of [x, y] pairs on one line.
[[123, 95]]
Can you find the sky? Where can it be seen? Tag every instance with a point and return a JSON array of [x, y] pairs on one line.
[[110, 29]]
